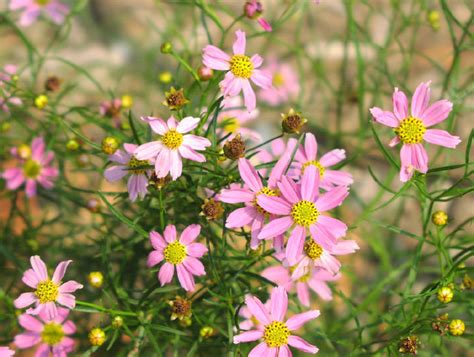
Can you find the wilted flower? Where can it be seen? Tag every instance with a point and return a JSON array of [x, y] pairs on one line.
[[111, 109], [175, 99], [180, 308], [52, 84], [409, 345], [212, 209], [56, 10], [292, 122], [205, 73], [234, 148]]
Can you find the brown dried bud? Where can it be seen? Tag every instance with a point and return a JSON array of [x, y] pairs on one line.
[[52, 84], [441, 324], [234, 149], [158, 182], [212, 209], [292, 122], [409, 345], [174, 99], [180, 308]]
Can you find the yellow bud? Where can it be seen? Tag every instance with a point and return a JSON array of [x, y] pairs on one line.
[[41, 101], [5, 126], [445, 294], [117, 322], [457, 327], [96, 279], [439, 218], [206, 332], [127, 101], [24, 151], [166, 47], [72, 145], [165, 77], [110, 145], [97, 337]]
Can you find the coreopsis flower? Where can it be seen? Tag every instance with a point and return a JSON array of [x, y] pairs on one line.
[[6, 351], [439, 218], [285, 83], [277, 334], [97, 336], [253, 9], [7, 73], [240, 70], [301, 209], [6, 99], [182, 253], [56, 10], [233, 120], [315, 279], [307, 154], [33, 169], [252, 214], [172, 146], [49, 292], [50, 334], [412, 127], [129, 165]]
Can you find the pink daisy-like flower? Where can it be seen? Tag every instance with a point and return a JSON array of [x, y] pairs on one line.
[[277, 333], [34, 169], [51, 334], [285, 83], [183, 253], [138, 179], [6, 351], [302, 209], [6, 99], [411, 127], [240, 70], [253, 9], [7, 73], [252, 214], [315, 279], [307, 155], [173, 145], [48, 292], [233, 118], [250, 321], [56, 10]]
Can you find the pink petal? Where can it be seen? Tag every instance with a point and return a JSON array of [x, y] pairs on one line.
[[241, 217], [255, 230], [302, 292], [294, 247], [395, 141], [298, 320], [37, 148], [39, 267], [14, 177], [239, 45], [231, 85], [190, 154], [166, 273], [172, 123], [327, 261], [310, 184], [236, 195], [441, 137], [196, 142], [345, 247], [265, 25], [129, 149], [29, 16], [302, 345], [30, 188], [420, 99], [289, 190], [67, 300], [249, 175], [157, 241], [276, 227], [332, 157], [43, 350], [284, 351], [332, 198], [321, 288], [49, 311], [261, 79], [310, 147], [419, 158], [257, 309], [27, 339], [185, 278], [190, 233], [60, 271], [163, 162], [57, 12], [154, 258], [384, 118], [30, 323], [278, 303], [256, 61], [196, 250], [158, 125], [277, 274], [436, 112], [248, 336], [69, 328], [261, 350], [170, 233], [400, 104], [321, 236], [337, 178], [215, 58], [249, 95], [194, 266], [333, 225], [176, 165], [70, 286], [30, 278], [278, 170], [187, 124], [275, 205], [148, 151]]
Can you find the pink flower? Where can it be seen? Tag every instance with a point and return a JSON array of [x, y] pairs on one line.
[[240, 69], [302, 208], [48, 291], [6, 73], [182, 253], [6, 351], [307, 155], [138, 178], [252, 214], [412, 128], [315, 279], [7, 99], [111, 109], [232, 119], [253, 9], [51, 334], [173, 145], [277, 333], [56, 10], [285, 83], [34, 169], [250, 320]]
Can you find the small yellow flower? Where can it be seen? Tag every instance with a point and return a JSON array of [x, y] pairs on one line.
[[97, 337], [110, 145], [433, 18], [457, 327], [72, 145], [445, 294], [206, 332], [117, 322], [127, 101], [41, 101], [165, 77], [96, 279], [24, 151], [439, 218]]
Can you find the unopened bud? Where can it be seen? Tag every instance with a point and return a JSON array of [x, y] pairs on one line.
[[41, 101], [439, 218], [110, 144], [445, 294], [166, 47], [97, 337], [205, 73], [96, 279]]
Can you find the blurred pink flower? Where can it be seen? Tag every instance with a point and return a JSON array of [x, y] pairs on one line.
[[315, 279], [183, 253], [111, 109], [240, 69], [277, 333], [51, 334], [253, 9], [6, 351], [173, 145], [411, 127], [34, 169], [252, 214], [232, 118], [138, 178], [48, 292], [285, 83], [56, 10], [6, 73], [6, 99], [302, 209]]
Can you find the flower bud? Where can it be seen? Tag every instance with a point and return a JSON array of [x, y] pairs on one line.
[[433, 18], [52, 84], [206, 332], [158, 182], [127, 101], [205, 73], [5, 127], [165, 77], [185, 322], [409, 345], [117, 322], [24, 151], [293, 122], [439, 218], [253, 9], [180, 308], [445, 294], [72, 145], [467, 282], [41, 101], [97, 336], [441, 324], [234, 149], [166, 47], [175, 99], [212, 209], [96, 279], [110, 144], [457, 327]]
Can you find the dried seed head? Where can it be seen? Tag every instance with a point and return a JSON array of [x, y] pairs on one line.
[[234, 149], [158, 182], [441, 324], [409, 345], [212, 209], [174, 99], [293, 122], [52, 84], [180, 308]]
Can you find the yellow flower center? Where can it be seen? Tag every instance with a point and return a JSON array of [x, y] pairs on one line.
[[304, 213], [241, 66], [313, 249], [231, 125], [52, 333], [47, 291], [42, 2], [133, 163], [276, 334], [32, 169], [278, 80], [175, 253], [172, 139], [267, 191], [411, 131], [315, 163]]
